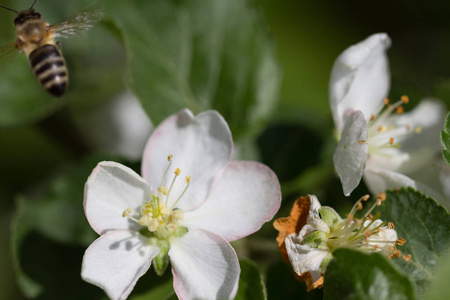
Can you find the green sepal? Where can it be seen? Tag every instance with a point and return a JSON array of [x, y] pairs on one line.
[[325, 261], [316, 239], [161, 261], [180, 231], [330, 217]]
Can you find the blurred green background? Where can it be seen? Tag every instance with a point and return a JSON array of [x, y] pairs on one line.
[[43, 138]]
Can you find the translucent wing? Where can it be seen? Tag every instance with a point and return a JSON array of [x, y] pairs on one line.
[[79, 23], [8, 50]]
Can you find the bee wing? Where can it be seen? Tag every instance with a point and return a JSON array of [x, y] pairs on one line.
[[8, 50], [79, 23]]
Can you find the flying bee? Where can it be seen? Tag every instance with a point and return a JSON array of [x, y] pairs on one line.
[[36, 38]]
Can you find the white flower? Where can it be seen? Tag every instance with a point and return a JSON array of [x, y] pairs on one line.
[[189, 221], [310, 250], [376, 138]]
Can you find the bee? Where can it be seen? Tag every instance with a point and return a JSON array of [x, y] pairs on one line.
[[36, 38]]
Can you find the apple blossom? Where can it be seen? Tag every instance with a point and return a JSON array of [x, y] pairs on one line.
[[319, 230], [189, 221], [376, 139]]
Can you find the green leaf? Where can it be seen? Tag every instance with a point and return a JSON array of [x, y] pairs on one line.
[[440, 289], [251, 284], [356, 275], [57, 215], [445, 139], [425, 225], [201, 55]]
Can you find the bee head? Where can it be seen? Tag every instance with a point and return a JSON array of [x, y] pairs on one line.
[[25, 15]]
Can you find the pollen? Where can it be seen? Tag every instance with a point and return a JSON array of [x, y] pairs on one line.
[[188, 179], [391, 141], [401, 241], [400, 110], [372, 117], [360, 206], [405, 99], [177, 172], [169, 158], [386, 101], [407, 257]]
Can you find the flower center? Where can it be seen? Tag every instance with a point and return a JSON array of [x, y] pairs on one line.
[[156, 215], [384, 134], [367, 234]]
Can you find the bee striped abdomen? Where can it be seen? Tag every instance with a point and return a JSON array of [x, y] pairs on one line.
[[50, 69]]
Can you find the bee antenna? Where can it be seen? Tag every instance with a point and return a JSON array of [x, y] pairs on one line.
[[9, 9], [33, 4]]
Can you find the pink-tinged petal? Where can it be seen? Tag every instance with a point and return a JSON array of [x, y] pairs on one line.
[[360, 78], [245, 197], [110, 190], [116, 260], [204, 266], [201, 147], [351, 152], [429, 117], [379, 180]]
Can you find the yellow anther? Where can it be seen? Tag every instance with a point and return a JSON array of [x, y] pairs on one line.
[[386, 101], [126, 212], [405, 99], [418, 129], [360, 206], [401, 241], [391, 225], [365, 197], [372, 117], [381, 196], [165, 191], [382, 128], [177, 171], [391, 141], [188, 179], [407, 257], [169, 158], [400, 110], [161, 188]]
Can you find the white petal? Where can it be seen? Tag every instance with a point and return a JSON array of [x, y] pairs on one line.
[[314, 218], [201, 147], [245, 197], [110, 190], [360, 78], [351, 152], [303, 258], [379, 180], [116, 260], [204, 266], [429, 115]]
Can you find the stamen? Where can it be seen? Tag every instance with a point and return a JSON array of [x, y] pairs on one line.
[[401, 241], [405, 99], [177, 173], [391, 141], [372, 117], [391, 225], [400, 110], [169, 158], [386, 101], [188, 180], [381, 196], [407, 257], [418, 129], [126, 212], [360, 206]]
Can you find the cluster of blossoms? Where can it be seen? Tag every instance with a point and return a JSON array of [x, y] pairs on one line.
[[376, 138], [188, 223], [312, 232], [191, 223]]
